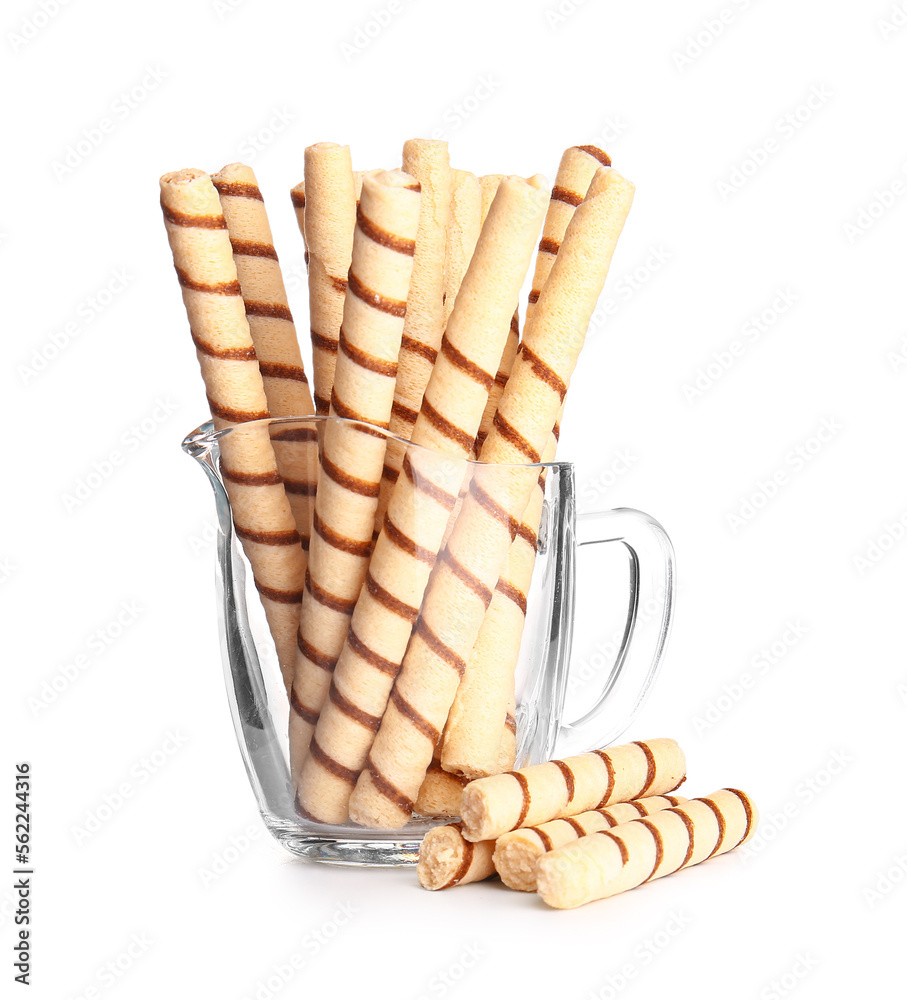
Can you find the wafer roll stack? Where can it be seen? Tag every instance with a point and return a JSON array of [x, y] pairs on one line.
[[422, 501], [624, 857], [272, 329], [353, 457], [263, 520], [461, 589], [516, 854], [446, 859], [463, 230], [329, 220]]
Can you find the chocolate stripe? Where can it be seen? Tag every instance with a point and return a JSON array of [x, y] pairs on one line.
[[597, 154], [512, 593], [543, 837], [548, 245], [327, 663], [501, 379], [569, 779], [406, 544], [340, 541], [722, 827], [247, 248], [365, 360], [267, 537], [413, 346], [580, 832], [542, 370], [622, 847], [372, 658], [388, 790], [515, 323], [609, 766], [348, 413], [293, 433], [528, 535], [322, 404], [361, 486], [399, 244], [389, 473], [470, 368], [639, 807], [387, 599], [672, 799], [534, 296], [298, 198], [375, 299], [688, 823], [250, 478], [235, 416], [464, 576], [322, 343], [332, 766], [300, 487], [224, 353], [192, 221], [269, 310], [468, 852], [277, 369], [609, 816], [338, 284], [435, 768], [650, 769], [511, 435], [492, 507], [527, 798], [659, 846], [404, 412], [326, 598], [237, 189], [304, 713], [218, 288], [559, 193], [510, 722], [279, 596], [748, 809], [351, 711], [440, 650], [413, 716]]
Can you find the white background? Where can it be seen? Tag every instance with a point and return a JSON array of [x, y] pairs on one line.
[[814, 740]]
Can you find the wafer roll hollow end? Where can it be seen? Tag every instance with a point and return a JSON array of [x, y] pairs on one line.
[[446, 859]]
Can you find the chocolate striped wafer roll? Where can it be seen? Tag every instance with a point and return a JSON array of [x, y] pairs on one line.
[[446, 859], [262, 517], [533, 795], [272, 329], [462, 586], [632, 853], [352, 455], [463, 230], [422, 500], [574, 175], [297, 197], [440, 792], [330, 218], [516, 854]]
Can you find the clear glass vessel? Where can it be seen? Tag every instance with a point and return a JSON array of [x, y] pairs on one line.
[[255, 688]]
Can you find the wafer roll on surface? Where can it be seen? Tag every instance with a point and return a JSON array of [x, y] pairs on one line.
[[353, 456], [463, 229], [440, 792], [263, 520], [422, 500], [329, 219], [516, 854], [461, 588], [273, 333], [533, 795], [612, 861], [577, 168], [446, 859]]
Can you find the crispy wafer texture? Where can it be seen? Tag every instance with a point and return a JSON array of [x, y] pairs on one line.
[[446, 859], [463, 229], [460, 591], [533, 795], [329, 221], [273, 333], [353, 455], [516, 854], [577, 168], [203, 257], [422, 501], [612, 861], [440, 792]]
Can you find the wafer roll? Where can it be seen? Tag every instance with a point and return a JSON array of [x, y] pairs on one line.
[[440, 792], [624, 857], [461, 589], [577, 168], [330, 217], [463, 229], [262, 517], [297, 197], [422, 500], [272, 329], [446, 859], [507, 749], [352, 457], [494, 806], [516, 854]]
